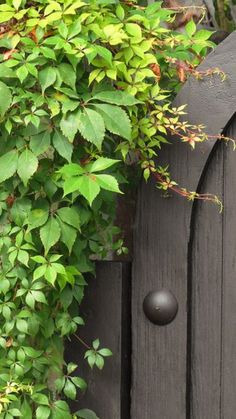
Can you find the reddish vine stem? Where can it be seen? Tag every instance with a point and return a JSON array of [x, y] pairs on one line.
[[209, 136], [183, 192], [177, 131]]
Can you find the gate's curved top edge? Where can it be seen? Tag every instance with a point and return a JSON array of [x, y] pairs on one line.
[[211, 101]]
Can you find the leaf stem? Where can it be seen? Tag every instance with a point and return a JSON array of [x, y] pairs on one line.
[[82, 341]]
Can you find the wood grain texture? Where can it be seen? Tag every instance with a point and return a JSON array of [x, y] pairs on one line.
[[162, 233], [211, 101], [228, 385], [213, 300], [160, 260], [205, 297], [106, 310]]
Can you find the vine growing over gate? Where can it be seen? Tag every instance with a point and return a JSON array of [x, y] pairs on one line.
[[85, 90]]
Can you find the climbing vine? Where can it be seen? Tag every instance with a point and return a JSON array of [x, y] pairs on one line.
[[85, 92]]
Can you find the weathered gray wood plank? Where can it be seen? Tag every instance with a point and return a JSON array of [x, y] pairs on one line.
[[160, 260], [106, 309], [211, 101], [205, 290], [228, 404], [161, 240]]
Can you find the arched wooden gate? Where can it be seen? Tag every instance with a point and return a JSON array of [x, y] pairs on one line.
[[187, 369]]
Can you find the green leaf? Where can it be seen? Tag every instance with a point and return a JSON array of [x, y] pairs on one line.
[[27, 165], [104, 53], [50, 234], [191, 28], [91, 127], [102, 163], [32, 69], [68, 235], [12, 257], [50, 274], [22, 325], [8, 165], [16, 3], [38, 216], [108, 182], [67, 74], [69, 126], [30, 301], [55, 258], [60, 410], [22, 73], [116, 120], [43, 412], [116, 97], [39, 272], [134, 30], [39, 259], [70, 390], [71, 367], [31, 352], [6, 12], [6, 72], [62, 145], [23, 257], [105, 352], [86, 185], [74, 29], [99, 361], [47, 77], [72, 169], [39, 296], [20, 211], [40, 143], [79, 382], [71, 185], [26, 410], [4, 286], [48, 53], [120, 13], [15, 412], [51, 7], [86, 414], [201, 35], [69, 105], [40, 398], [78, 320], [70, 216], [63, 29], [96, 344], [6, 98]]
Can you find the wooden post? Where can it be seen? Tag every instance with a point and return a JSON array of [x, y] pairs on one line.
[[106, 310]]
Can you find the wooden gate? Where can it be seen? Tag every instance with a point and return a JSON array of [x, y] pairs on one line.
[[187, 369]]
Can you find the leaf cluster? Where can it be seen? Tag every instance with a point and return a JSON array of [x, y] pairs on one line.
[[86, 90]]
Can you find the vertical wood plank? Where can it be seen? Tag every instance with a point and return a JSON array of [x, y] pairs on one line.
[[161, 251], [228, 405], [161, 260], [106, 309], [161, 248], [159, 353], [205, 286]]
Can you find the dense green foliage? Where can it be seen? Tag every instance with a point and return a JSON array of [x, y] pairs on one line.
[[85, 90]]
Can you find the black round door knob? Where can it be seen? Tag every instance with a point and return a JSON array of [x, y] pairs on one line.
[[160, 307]]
